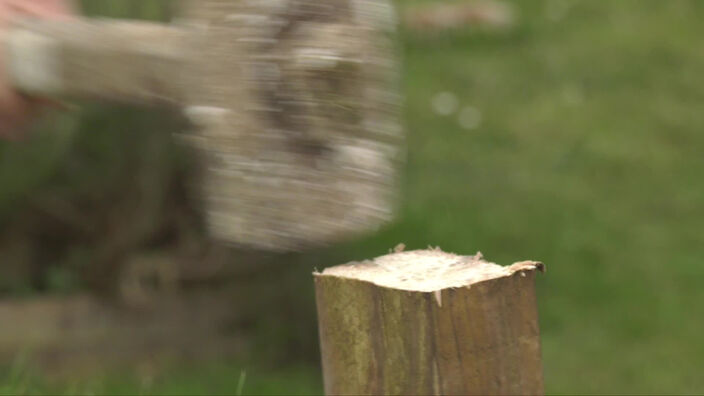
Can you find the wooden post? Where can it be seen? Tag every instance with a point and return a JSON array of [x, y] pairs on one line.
[[429, 322]]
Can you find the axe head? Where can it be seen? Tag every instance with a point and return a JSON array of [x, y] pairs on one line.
[[295, 105]]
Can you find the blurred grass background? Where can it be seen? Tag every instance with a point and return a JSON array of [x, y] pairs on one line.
[[584, 151]]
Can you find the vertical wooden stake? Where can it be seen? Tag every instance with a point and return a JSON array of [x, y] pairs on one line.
[[429, 322]]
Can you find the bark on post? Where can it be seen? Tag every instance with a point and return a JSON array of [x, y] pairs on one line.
[[429, 322]]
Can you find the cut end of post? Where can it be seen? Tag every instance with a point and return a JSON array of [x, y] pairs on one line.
[[429, 270]]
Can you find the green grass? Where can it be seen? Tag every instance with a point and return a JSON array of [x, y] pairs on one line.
[[209, 379], [589, 157]]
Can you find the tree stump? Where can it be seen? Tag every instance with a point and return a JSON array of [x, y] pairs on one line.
[[429, 322]]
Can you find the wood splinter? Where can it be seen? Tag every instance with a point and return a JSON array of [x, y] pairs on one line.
[[429, 322]]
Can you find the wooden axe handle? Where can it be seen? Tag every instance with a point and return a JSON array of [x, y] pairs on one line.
[[97, 58]]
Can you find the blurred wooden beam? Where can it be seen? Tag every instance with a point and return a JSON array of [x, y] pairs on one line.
[[449, 16], [79, 333]]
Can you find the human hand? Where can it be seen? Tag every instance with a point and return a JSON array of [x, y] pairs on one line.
[[17, 110]]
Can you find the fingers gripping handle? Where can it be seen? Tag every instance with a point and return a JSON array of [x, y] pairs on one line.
[[97, 59]]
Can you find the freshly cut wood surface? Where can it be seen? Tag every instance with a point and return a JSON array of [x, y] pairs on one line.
[[429, 322]]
